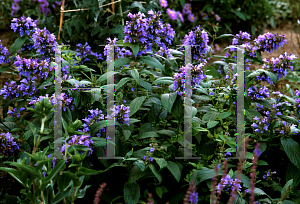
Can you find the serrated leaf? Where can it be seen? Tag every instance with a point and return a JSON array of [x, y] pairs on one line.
[[155, 172], [212, 124], [145, 84], [292, 149], [210, 116], [131, 193], [224, 115], [168, 100], [174, 169], [122, 61], [161, 162], [286, 187], [135, 75], [136, 104], [153, 62]]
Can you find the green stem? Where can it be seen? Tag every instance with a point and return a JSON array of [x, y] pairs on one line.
[[121, 13], [42, 192]]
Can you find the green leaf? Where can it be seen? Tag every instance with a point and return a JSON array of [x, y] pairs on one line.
[[293, 173], [258, 191], [147, 135], [58, 167], [103, 77], [16, 174], [224, 115], [101, 124], [140, 164], [164, 80], [210, 116], [178, 109], [161, 162], [168, 100], [126, 134], [206, 173], [245, 180], [155, 172], [145, 84], [131, 193], [170, 133], [135, 75], [136, 104], [225, 35], [60, 196], [122, 82], [17, 44], [292, 149], [212, 124], [286, 187], [153, 62], [85, 171], [135, 49], [240, 14], [122, 61], [63, 182], [174, 169], [139, 5], [29, 169], [261, 162], [250, 113], [158, 189]]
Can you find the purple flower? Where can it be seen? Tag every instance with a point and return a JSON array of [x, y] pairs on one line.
[[180, 16], [197, 37], [191, 17], [187, 9], [163, 3], [8, 144], [269, 42], [172, 14], [23, 25], [15, 6], [3, 54], [228, 153], [217, 17], [194, 197]]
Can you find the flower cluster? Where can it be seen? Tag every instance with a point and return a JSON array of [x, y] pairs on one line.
[[121, 52], [227, 182], [179, 78], [279, 65], [44, 41], [261, 124], [149, 31], [8, 144], [197, 37], [241, 38], [187, 10], [3, 54], [120, 113], [269, 174], [15, 113], [258, 94], [212, 13], [27, 67], [64, 100], [23, 25], [297, 100], [287, 128], [84, 50], [269, 42], [79, 140], [96, 116], [11, 90], [191, 196]]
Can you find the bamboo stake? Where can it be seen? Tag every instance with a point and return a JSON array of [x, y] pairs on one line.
[[113, 6], [61, 18], [65, 11]]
